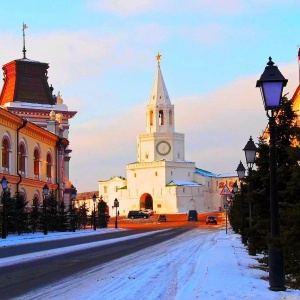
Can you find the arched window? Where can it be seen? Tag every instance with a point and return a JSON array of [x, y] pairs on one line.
[[151, 117], [49, 165], [22, 157], [170, 117], [36, 162], [161, 117], [5, 153]]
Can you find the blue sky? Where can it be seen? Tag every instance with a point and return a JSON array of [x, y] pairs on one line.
[[102, 60]]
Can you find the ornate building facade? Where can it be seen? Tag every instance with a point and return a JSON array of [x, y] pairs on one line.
[[34, 131]]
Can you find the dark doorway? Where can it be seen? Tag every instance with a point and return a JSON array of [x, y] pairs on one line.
[[146, 202]]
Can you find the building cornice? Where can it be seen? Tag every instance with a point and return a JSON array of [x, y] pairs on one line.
[[160, 163]]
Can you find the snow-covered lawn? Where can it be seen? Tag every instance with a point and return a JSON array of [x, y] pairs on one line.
[[201, 264]]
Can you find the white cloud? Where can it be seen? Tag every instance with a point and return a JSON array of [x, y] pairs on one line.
[[132, 7], [204, 7], [125, 7], [84, 54], [209, 33], [218, 7], [72, 55]]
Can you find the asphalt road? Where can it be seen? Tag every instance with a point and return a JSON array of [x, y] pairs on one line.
[[19, 279], [55, 244]]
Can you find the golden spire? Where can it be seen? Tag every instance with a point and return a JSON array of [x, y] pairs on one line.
[[158, 57]]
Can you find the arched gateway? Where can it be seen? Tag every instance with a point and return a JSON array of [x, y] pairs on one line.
[[146, 201]]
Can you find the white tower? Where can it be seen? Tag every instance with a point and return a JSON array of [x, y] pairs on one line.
[[160, 142], [161, 179]]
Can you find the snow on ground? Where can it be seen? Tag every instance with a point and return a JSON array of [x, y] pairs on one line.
[[201, 264]]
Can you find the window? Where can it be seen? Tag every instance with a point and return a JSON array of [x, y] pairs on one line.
[[155, 173], [36, 162], [5, 153], [49, 165], [22, 157], [151, 117], [116, 188], [105, 189], [161, 117], [134, 175], [146, 155]]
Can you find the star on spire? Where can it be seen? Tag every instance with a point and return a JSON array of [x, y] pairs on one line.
[[158, 57]]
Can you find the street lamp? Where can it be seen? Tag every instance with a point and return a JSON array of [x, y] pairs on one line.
[[235, 187], [94, 201], [45, 194], [271, 84], [241, 174], [250, 153], [4, 184], [233, 192], [73, 197], [116, 205]]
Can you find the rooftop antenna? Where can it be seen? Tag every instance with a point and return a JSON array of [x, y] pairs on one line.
[[24, 49]]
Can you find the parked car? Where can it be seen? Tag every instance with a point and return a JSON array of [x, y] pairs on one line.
[[162, 218], [192, 215], [148, 211], [137, 214], [211, 220]]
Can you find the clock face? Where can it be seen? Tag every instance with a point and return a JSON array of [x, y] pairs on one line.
[[163, 148]]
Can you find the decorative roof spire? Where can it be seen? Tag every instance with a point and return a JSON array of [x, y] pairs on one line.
[[159, 94], [24, 49]]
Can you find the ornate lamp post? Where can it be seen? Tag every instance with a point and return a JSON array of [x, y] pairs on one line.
[[271, 84], [241, 174], [250, 153], [235, 187], [116, 205], [45, 194], [4, 184], [234, 191], [73, 197], [94, 201]]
